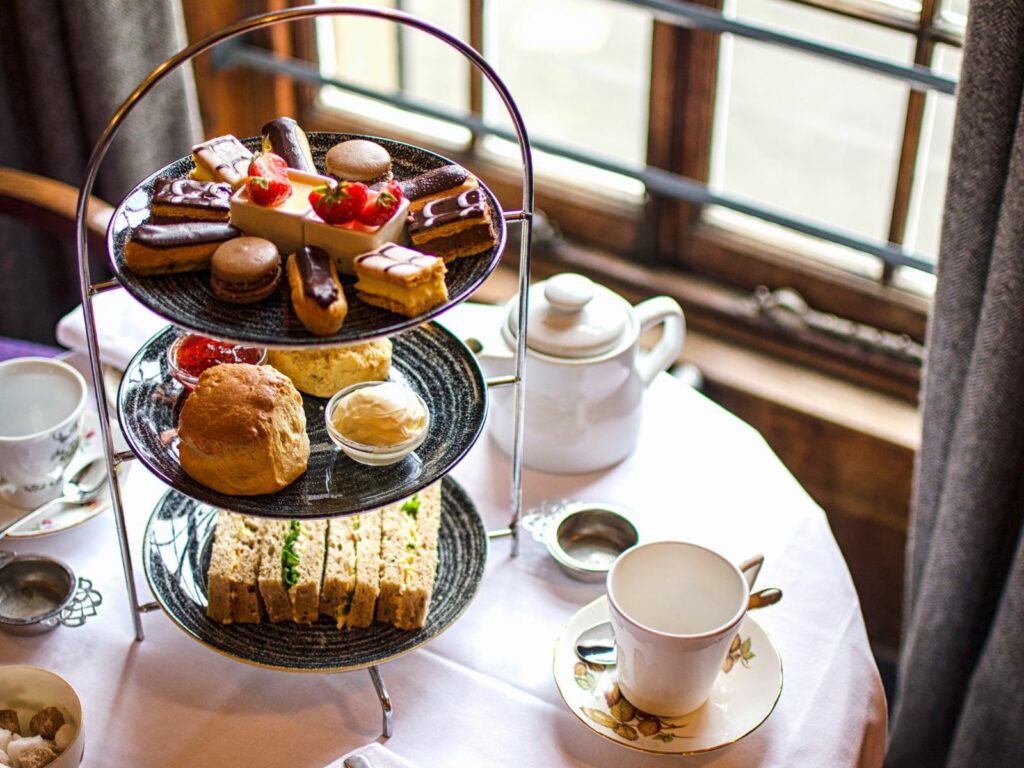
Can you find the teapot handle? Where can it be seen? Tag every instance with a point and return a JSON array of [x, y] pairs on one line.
[[660, 309]]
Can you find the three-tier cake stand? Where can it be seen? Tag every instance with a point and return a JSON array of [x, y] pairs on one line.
[[89, 289]]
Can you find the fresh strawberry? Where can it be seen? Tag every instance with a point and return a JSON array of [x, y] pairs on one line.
[[382, 207], [339, 204], [269, 166], [268, 191], [268, 180]]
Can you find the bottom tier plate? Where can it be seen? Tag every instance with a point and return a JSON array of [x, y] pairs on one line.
[[176, 554]]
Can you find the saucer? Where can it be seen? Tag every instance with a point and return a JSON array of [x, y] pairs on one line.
[[69, 515], [744, 694]]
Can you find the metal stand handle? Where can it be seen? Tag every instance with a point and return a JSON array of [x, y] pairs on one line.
[[385, 701]]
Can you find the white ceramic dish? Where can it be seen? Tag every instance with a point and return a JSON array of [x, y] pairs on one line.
[[742, 697], [29, 689]]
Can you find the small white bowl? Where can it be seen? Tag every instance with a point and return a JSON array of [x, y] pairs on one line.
[[29, 689], [373, 455]]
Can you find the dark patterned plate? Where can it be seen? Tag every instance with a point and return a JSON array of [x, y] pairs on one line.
[[433, 362], [176, 554], [188, 301]]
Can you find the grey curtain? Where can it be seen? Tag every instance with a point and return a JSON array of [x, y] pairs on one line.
[[65, 66], [960, 697]]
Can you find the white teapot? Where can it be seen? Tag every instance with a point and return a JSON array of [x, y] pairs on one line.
[[585, 372]]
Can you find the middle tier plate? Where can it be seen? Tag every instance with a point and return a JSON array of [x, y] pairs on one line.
[[429, 359]]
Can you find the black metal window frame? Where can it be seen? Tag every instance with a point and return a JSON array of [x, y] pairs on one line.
[[238, 53]]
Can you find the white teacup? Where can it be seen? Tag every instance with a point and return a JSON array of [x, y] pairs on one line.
[[41, 404], [675, 608]]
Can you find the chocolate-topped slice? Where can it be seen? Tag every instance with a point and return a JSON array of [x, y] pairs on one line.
[[315, 269], [191, 199], [453, 226], [285, 138], [182, 246]]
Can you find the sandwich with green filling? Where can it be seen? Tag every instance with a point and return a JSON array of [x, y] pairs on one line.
[[290, 569], [408, 558], [352, 569]]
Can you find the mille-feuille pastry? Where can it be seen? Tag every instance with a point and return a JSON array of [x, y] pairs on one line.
[[400, 279], [232, 595], [317, 297], [352, 570], [453, 226], [183, 246], [359, 160], [285, 138], [408, 558], [322, 372], [224, 158], [245, 270], [191, 199], [291, 567], [438, 182], [242, 431]]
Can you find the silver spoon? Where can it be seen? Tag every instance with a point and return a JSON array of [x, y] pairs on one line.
[[597, 644], [81, 488]]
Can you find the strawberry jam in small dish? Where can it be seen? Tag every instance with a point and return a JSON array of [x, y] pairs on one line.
[[190, 355]]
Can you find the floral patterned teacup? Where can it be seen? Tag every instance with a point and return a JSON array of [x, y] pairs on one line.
[[41, 404], [674, 609]]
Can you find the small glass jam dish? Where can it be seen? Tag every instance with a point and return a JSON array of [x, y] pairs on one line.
[[366, 421], [191, 354]]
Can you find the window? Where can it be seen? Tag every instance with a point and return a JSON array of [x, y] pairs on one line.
[[817, 131]]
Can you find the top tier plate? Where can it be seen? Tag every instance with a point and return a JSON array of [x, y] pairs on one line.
[[187, 300]]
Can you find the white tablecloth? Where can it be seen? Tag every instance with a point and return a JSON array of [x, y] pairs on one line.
[[482, 693]]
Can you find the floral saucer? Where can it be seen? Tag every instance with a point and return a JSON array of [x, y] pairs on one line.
[[66, 516], [744, 694]]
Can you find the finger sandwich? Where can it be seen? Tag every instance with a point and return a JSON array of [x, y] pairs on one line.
[[352, 569], [408, 558], [234, 569], [291, 566]]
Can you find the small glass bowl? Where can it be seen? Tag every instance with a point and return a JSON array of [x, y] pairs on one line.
[[373, 455], [186, 379]]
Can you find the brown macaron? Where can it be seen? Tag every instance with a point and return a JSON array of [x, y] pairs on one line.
[[245, 270], [359, 160]]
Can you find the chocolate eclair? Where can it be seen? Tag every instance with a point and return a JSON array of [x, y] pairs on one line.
[[435, 183], [453, 226], [191, 199], [185, 246], [316, 292], [285, 138]]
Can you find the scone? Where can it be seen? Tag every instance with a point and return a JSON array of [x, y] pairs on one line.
[[322, 372], [242, 430]]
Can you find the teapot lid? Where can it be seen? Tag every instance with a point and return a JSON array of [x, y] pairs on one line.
[[571, 316]]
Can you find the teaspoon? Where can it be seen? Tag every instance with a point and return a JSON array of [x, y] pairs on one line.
[[596, 645], [81, 488]]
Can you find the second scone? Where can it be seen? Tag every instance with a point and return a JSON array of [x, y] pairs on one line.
[[322, 372], [242, 430]]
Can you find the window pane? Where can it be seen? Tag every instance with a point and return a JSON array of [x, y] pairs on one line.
[[394, 59], [816, 139], [578, 69], [925, 222]]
